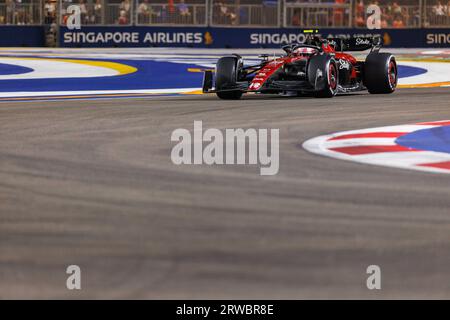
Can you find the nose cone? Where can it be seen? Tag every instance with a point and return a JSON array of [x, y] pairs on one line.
[[264, 74]]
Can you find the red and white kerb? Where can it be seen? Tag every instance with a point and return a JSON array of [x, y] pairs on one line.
[[377, 146]]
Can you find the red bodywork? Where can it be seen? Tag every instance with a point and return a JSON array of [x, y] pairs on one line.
[[272, 66]]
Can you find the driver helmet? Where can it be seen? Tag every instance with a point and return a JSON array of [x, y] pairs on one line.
[[304, 51]]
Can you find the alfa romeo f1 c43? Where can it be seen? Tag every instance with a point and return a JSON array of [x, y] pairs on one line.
[[321, 67]]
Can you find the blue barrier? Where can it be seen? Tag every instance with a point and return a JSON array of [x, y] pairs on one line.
[[22, 36], [209, 37]]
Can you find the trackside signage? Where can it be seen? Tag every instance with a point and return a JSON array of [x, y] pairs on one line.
[[203, 37], [124, 38], [22, 36]]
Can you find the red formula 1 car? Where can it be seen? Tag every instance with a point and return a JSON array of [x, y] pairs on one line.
[[318, 66]]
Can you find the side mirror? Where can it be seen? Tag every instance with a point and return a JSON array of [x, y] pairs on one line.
[[287, 48], [376, 40]]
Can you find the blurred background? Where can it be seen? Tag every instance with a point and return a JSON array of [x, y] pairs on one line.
[[254, 13], [43, 22]]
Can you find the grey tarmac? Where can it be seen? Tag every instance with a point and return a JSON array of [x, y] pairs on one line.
[[91, 183]]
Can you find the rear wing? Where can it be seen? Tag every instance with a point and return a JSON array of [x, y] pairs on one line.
[[356, 43]]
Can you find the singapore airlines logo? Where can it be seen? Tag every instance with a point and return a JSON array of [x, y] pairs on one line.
[[208, 38]]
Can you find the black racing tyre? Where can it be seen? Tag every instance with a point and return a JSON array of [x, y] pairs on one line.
[[323, 75], [330, 79], [226, 77], [380, 73]]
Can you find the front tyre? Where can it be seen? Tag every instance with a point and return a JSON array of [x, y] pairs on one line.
[[227, 70], [380, 73]]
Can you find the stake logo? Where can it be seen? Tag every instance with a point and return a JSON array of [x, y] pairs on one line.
[[344, 64], [233, 146]]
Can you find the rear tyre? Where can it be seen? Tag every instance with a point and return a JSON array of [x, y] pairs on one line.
[[226, 77], [380, 73], [330, 81]]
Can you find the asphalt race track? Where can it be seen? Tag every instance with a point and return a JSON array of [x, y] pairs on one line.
[[92, 183]]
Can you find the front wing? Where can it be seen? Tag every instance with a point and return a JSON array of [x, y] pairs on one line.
[[269, 86]]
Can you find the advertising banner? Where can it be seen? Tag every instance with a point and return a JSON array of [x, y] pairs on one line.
[[22, 36], [210, 37]]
